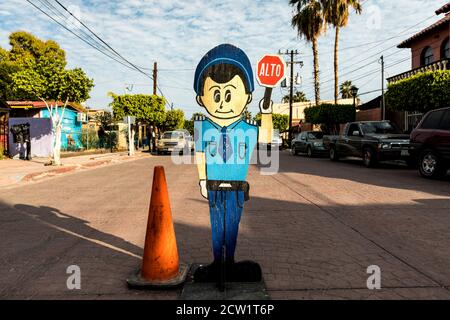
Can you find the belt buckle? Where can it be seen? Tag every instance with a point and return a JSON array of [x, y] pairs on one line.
[[225, 185]]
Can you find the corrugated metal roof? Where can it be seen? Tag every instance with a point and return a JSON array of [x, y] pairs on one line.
[[441, 22]]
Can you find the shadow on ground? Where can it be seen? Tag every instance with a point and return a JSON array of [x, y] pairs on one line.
[[305, 251]]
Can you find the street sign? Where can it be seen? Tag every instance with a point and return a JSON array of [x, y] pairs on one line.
[[271, 70]]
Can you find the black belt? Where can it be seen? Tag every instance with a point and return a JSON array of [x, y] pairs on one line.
[[219, 185]]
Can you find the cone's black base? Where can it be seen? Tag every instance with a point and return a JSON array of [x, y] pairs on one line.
[[244, 271]]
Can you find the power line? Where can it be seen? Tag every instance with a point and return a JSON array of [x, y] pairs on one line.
[[82, 39], [101, 46], [102, 41]]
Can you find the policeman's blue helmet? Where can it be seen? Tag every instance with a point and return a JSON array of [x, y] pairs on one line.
[[224, 54]]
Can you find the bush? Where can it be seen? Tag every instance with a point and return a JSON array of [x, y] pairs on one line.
[[422, 92], [330, 116]]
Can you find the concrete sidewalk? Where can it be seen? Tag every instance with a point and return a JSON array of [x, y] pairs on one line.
[[15, 172]]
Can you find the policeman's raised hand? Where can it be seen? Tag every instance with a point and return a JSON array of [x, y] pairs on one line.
[[203, 189], [266, 108]]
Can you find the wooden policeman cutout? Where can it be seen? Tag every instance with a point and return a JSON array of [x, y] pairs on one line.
[[224, 145]]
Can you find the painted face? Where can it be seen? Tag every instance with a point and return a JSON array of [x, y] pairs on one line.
[[225, 100]]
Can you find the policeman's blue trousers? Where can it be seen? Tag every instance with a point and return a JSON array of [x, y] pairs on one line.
[[225, 214]]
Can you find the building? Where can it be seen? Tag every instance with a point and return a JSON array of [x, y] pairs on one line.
[[71, 125], [430, 51]]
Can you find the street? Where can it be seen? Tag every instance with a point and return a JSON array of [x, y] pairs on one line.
[[315, 228]]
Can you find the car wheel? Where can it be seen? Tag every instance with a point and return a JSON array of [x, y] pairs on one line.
[[431, 166], [334, 156], [369, 158], [309, 152], [294, 151]]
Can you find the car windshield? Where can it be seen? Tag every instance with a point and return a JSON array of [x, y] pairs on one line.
[[315, 135], [379, 128], [172, 135]]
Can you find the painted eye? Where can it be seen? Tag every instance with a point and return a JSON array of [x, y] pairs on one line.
[[228, 96], [217, 96]]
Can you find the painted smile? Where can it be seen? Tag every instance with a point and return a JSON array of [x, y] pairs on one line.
[[230, 111]]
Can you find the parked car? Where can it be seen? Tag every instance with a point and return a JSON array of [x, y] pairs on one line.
[[277, 141], [309, 142], [373, 141], [430, 144], [175, 141]]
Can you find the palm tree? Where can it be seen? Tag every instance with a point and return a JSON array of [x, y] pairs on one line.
[[309, 22], [346, 90], [299, 96], [336, 13]]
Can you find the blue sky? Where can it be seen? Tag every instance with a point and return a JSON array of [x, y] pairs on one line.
[[176, 34]]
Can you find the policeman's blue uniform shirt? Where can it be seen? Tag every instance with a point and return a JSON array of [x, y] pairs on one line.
[[228, 150]]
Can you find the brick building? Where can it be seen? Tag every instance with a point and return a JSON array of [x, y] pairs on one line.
[[429, 52]]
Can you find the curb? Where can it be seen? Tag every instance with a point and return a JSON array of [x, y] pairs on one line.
[[37, 176]]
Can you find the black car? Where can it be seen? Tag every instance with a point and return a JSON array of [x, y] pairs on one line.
[[373, 141], [309, 142]]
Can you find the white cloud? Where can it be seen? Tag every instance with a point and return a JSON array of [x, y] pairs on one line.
[[178, 33]]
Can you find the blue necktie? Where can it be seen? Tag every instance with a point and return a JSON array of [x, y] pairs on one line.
[[225, 148]]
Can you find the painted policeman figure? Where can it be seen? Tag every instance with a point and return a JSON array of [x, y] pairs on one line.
[[224, 145]]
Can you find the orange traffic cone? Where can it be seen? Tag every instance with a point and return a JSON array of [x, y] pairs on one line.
[[160, 263]]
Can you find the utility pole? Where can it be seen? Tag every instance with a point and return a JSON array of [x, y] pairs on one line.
[[383, 100], [292, 54], [155, 78]]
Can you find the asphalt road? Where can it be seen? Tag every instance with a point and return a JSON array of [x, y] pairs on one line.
[[314, 227]]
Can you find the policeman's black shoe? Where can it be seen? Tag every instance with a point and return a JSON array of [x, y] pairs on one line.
[[245, 271], [208, 273]]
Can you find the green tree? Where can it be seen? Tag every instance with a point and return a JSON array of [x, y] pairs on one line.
[[147, 109], [299, 96], [420, 93], [189, 124], [330, 116], [174, 119], [34, 69], [336, 13], [345, 90], [309, 22], [280, 121]]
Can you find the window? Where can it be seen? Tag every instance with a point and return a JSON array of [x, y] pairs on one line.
[[445, 124], [383, 127], [433, 120], [172, 135], [353, 127], [445, 49], [315, 135], [427, 56]]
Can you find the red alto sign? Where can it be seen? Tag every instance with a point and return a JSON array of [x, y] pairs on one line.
[[271, 70]]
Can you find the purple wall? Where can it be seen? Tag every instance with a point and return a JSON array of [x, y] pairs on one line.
[[41, 137]]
